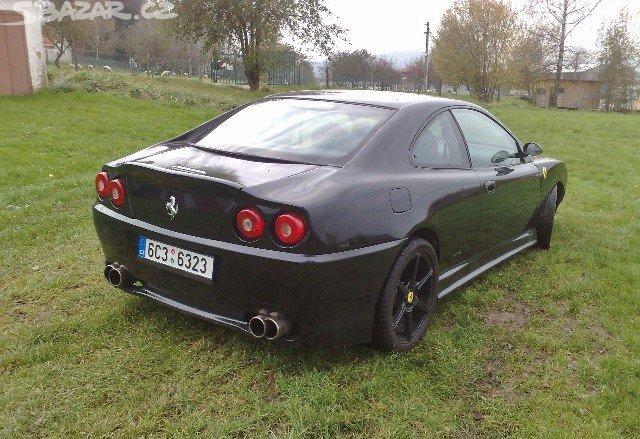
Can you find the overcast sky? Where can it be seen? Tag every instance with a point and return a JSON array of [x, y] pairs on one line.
[[384, 27]]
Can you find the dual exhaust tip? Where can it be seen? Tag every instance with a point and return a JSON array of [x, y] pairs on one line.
[[270, 327], [118, 276]]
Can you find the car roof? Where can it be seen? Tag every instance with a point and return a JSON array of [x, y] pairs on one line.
[[389, 99]]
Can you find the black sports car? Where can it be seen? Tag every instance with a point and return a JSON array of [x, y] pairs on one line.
[[325, 218]]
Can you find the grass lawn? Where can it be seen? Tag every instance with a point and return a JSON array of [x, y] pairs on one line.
[[545, 346]]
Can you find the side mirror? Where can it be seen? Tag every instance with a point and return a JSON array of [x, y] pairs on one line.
[[532, 149]]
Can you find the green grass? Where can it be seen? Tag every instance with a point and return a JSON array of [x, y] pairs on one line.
[[545, 346]]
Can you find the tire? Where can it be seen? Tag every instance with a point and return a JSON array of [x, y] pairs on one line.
[[545, 220], [408, 299]]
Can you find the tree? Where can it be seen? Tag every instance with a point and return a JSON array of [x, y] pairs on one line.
[[384, 73], [578, 58], [416, 71], [150, 43], [100, 38], [196, 51], [65, 34], [562, 16], [619, 56], [353, 68], [434, 75], [255, 26], [530, 61], [473, 44], [307, 73]]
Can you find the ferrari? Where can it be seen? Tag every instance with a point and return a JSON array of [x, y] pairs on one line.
[[325, 218]]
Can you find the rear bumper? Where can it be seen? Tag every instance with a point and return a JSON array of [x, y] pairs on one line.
[[329, 298]]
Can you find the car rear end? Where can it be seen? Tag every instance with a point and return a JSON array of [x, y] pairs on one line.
[[179, 224]]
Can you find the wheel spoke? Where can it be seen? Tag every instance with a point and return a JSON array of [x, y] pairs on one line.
[[416, 267], [409, 320], [421, 284], [400, 313]]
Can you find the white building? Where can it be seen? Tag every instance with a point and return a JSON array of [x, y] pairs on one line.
[[22, 57], [51, 52]]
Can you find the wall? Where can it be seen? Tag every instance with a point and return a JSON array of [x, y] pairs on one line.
[[582, 95], [541, 94], [33, 30], [67, 57]]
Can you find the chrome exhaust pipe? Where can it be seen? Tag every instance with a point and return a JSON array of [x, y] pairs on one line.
[[119, 277], [107, 271], [276, 328], [258, 327]]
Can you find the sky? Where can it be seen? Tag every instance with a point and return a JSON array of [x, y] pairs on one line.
[[381, 29]]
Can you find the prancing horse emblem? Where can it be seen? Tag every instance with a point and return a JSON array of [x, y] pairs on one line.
[[172, 207]]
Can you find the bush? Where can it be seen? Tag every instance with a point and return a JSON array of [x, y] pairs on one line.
[[52, 74], [140, 87]]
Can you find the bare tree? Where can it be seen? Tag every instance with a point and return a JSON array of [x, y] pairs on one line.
[[99, 39], [195, 55], [578, 58], [563, 16], [148, 42], [103, 36]]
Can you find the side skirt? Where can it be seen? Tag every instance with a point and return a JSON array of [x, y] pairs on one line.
[[461, 274]]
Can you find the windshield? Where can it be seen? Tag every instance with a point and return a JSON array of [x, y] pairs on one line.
[[318, 132]]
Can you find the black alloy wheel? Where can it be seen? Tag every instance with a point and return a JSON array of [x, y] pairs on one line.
[[546, 219], [408, 301]]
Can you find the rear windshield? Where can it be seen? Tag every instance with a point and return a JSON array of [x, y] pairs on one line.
[[318, 132]]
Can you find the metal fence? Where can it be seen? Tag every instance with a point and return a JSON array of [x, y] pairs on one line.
[[97, 63], [228, 69], [284, 68]]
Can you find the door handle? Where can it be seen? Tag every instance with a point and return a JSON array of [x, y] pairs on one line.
[[490, 187]]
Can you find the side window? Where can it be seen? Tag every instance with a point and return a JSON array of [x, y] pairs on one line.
[[489, 144], [440, 145]]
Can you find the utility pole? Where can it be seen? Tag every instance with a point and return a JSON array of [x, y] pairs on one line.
[[426, 58]]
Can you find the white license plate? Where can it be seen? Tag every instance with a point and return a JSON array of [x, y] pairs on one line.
[[186, 261]]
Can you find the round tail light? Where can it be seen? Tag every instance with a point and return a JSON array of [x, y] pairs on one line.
[[250, 223], [116, 192], [290, 228], [102, 184]]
